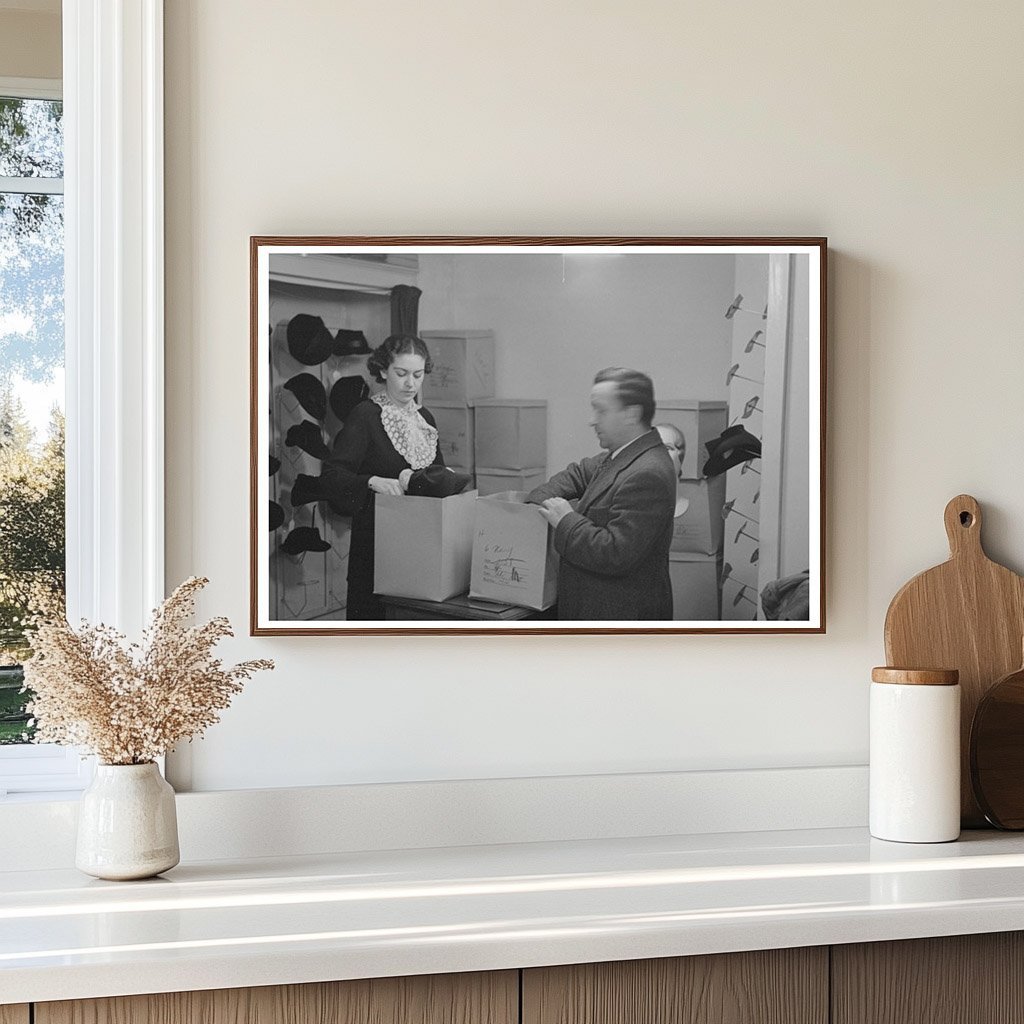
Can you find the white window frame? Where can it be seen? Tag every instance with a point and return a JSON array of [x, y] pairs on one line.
[[114, 330]]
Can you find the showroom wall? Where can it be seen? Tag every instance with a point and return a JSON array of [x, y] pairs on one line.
[[557, 322], [892, 129]]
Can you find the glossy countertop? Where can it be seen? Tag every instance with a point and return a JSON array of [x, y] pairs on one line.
[[224, 924]]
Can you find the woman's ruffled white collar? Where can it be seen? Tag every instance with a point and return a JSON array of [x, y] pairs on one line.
[[412, 436]]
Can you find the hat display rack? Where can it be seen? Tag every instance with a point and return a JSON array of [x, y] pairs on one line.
[[738, 449], [309, 355], [744, 592]]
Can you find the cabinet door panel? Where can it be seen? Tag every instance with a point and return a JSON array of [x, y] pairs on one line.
[[481, 998], [960, 979], [778, 986], [16, 1013]]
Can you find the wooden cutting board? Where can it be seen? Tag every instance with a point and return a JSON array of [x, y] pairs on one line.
[[967, 614]]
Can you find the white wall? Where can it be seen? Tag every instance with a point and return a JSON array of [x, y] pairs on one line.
[[892, 128], [30, 44], [558, 321]]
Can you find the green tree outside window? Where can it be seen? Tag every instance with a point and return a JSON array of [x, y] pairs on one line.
[[31, 357]]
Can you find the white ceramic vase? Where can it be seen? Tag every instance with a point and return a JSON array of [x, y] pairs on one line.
[[127, 825]]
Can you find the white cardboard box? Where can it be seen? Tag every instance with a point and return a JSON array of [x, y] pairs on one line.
[[700, 528], [495, 481], [695, 590], [463, 363], [511, 433], [423, 546], [514, 557]]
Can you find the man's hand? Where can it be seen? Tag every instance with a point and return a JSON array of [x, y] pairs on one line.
[[554, 510]]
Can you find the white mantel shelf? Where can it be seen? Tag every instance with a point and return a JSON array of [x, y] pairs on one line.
[[225, 924]]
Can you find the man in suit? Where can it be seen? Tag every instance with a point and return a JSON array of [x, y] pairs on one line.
[[615, 537]]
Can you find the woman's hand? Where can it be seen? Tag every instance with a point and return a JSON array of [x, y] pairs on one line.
[[385, 485]]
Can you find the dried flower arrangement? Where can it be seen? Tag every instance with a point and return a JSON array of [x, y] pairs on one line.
[[130, 704]]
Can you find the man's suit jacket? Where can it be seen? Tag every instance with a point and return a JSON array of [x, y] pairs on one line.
[[615, 545]]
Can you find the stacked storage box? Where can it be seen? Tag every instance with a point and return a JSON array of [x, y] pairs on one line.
[[463, 371], [694, 561], [455, 434], [463, 366], [510, 444]]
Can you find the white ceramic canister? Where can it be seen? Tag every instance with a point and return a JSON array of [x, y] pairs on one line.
[[915, 755]]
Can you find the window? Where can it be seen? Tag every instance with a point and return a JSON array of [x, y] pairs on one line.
[[113, 336], [32, 535]]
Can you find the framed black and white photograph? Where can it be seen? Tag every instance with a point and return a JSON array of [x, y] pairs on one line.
[[537, 435]]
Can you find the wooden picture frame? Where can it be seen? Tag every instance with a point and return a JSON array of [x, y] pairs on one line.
[[732, 332]]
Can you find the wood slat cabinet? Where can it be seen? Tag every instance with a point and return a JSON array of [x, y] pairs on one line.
[[962, 979], [776, 986], [479, 998], [972, 979]]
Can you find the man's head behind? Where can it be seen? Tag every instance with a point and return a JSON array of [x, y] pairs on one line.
[[675, 444], [622, 401]]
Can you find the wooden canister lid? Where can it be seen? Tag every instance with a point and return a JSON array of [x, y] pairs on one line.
[[916, 676]]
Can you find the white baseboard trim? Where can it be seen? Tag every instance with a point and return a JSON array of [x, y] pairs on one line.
[[333, 819]]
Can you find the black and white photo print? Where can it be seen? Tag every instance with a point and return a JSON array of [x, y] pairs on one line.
[[537, 435]]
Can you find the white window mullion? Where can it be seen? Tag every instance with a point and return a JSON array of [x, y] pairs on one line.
[[114, 308]]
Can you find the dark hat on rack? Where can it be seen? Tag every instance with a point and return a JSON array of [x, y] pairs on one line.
[[276, 515], [346, 394], [310, 394], [307, 436], [309, 341], [436, 482], [306, 490], [275, 464], [733, 446], [350, 343], [304, 538]]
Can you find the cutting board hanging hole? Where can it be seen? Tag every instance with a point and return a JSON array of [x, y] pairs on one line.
[[963, 525]]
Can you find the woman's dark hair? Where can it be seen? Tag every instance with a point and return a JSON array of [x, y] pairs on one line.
[[397, 345]]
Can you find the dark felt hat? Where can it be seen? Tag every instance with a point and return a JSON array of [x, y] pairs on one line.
[[310, 394], [304, 538], [309, 341], [276, 515], [436, 482], [350, 343], [346, 394], [307, 436], [305, 490], [275, 464], [730, 448]]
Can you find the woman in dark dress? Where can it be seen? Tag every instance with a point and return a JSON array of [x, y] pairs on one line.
[[384, 438]]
